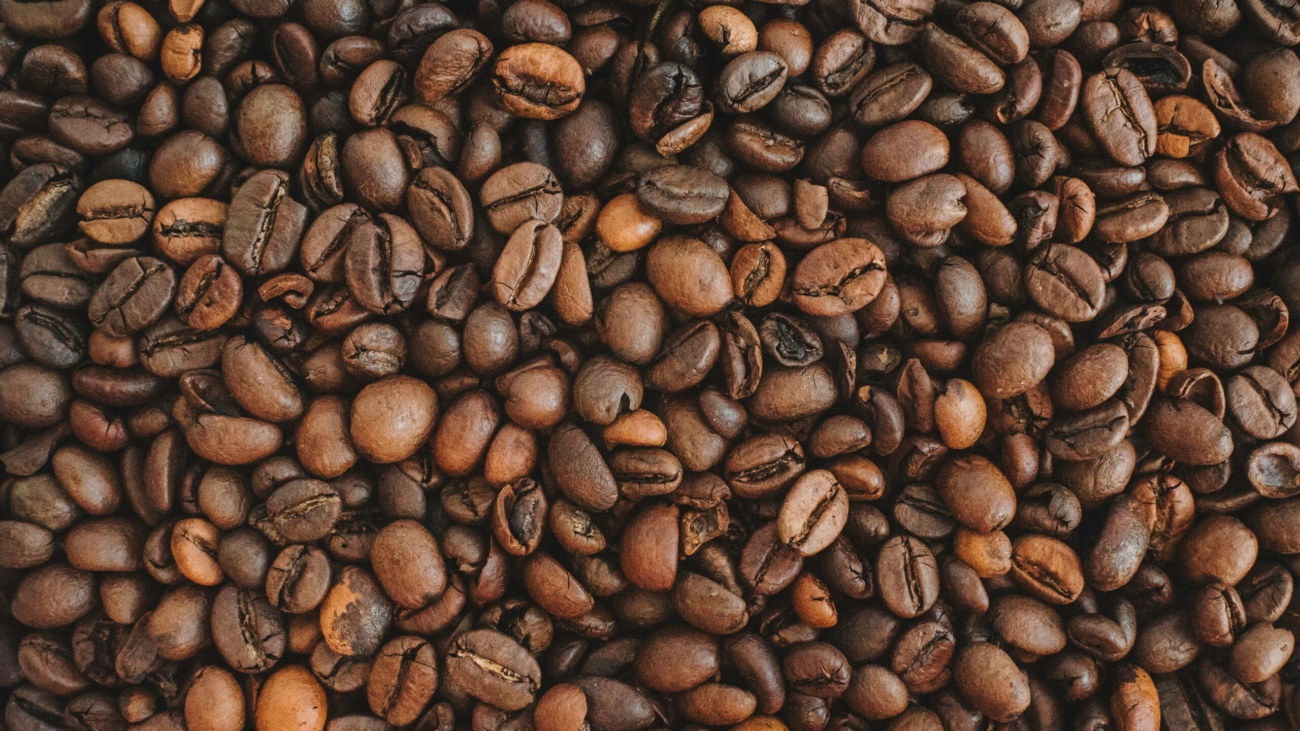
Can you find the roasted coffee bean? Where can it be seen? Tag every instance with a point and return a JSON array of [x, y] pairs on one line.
[[384, 263], [750, 81], [1250, 176], [263, 225], [813, 512], [402, 680], [375, 170], [257, 649], [839, 277], [136, 293], [907, 576], [520, 192], [528, 265], [538, 81], [492, 667], [681, 194], [188, 228], [1121, 116], [441, 209], [209, 293]]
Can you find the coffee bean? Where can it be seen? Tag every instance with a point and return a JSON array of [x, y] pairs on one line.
[[208, 293], [402, 679], [291, 698], [215, 701], [384, 263], [1121, 116], [991, 681], [517, 193], [813, 513], [750, 81], [961, 67], [451, 63], [89, 125], [492, 667], [261, 648], [839, 277], [538, 81], [188, 228], [135, 294], [681, 194], [263, 225], [115, 211], [441, 209], [908, 576], [927, 145], [1046, 567], [1066, 282]]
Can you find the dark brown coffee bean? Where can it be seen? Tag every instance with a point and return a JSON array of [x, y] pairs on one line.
[[1047, 568], [991, 681], [255, 651], [839, 277], [402, 679], [301, 510], [1001, 374], [375, 170], [520, 192], [298, 579], [681, 194], [1065, 282], [209, 293], [1184, 430], [1250, 178], [961, 67], [750, 81]]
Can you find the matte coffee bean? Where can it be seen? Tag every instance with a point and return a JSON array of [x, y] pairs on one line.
[[291, 698], [489, 665], [1121, 116], [813, 513], [384, 263], [1250, 178], [298, 579], [208, 293], [135, 294], [234, 609], [520, 192], [839, 277], [263, 225], [402, 679], [441, 209]]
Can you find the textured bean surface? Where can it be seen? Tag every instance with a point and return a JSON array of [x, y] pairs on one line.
[[645, 365]]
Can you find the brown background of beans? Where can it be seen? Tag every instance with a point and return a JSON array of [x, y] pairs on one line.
[[616, 365]]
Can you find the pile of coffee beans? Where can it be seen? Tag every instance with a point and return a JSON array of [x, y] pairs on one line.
[[649, 365]]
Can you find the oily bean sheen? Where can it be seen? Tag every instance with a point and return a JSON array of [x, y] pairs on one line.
[[885, 365]]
